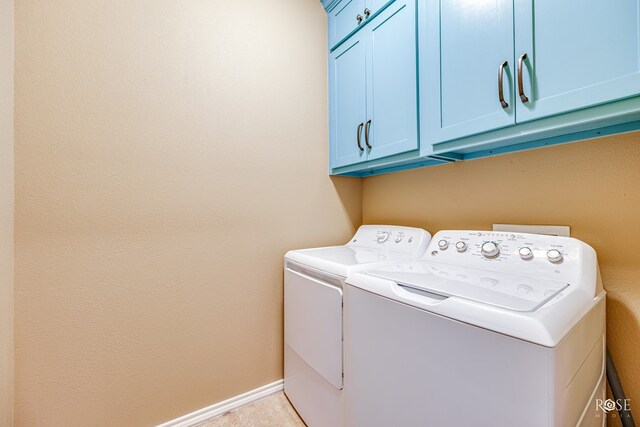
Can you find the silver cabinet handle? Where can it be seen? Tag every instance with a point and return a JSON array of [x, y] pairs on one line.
[[366, 134], [358, 136], [523, 97], [367, 12], [359, 19], [500, 84]]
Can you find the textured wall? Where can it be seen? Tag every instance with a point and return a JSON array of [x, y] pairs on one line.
[[163, 153], [591, 186], [168, 153], [6, 212]]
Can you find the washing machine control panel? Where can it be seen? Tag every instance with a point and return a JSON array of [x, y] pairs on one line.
[[519, 253], [409, 240]]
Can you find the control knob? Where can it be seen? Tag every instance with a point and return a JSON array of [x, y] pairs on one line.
[[443, 244], [554, 256], [525, 253], [490, 250], [461, 246], [383, 236]]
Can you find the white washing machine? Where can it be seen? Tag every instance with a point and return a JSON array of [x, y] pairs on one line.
[[313, 287], [487, 329]]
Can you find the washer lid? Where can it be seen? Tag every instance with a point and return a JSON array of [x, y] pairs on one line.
[[508, 291]]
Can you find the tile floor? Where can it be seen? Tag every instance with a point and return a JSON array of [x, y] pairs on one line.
[[270, 411]]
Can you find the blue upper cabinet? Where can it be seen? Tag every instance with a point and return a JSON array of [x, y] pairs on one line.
[[347, 103], [373, 97], [467, 68], [392, 95], [344, 18], [347, 16], [488, 65], [418, 82], [579, 53]]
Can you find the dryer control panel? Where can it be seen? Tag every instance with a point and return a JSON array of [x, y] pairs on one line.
[[535, 255], [409, 240]]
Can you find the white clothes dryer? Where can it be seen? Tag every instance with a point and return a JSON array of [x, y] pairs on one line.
[[313, 289]]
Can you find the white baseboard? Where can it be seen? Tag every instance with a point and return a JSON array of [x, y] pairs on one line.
[[225, 406]]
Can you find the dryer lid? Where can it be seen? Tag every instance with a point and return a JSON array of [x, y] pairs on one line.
[[508, 291], [341, 260], [370, 245]]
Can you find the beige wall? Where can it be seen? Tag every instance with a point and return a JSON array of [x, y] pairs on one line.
[[168, 153], [6, 212], [591, 186], [163, 153]]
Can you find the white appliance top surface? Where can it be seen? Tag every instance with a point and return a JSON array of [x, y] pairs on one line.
[[510, 291], [351, 256], [372, 245], [528, 286]]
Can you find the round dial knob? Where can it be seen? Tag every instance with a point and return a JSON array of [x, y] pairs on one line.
[[461, 246], [525, 253], [383, 236], [554, 255], [490, 250], [443, 244], [399, 239]]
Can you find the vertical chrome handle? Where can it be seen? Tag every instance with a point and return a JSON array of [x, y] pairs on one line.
[[523, 97], [359, 19], [500, 84], [367, 12], [366, 134], [358, 136]]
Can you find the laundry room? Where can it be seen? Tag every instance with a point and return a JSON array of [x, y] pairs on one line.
[[349, 213]]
